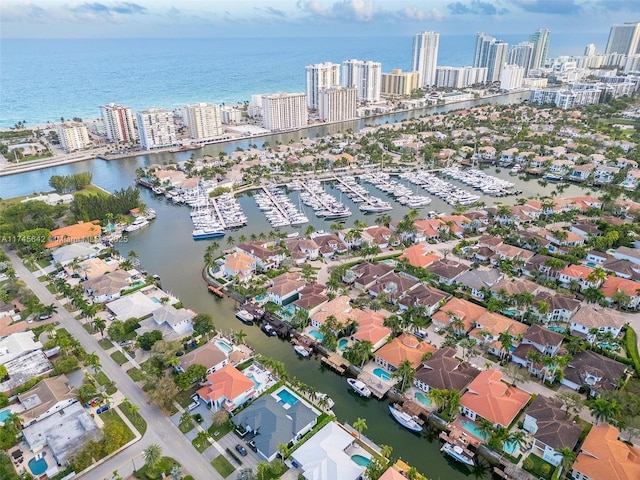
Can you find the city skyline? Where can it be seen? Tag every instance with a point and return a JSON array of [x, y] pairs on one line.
[[256, 18]]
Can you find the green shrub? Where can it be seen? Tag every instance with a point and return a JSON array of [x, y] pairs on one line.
[[631, 340]]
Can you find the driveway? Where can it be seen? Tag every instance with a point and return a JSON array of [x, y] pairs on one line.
[[230, 440]]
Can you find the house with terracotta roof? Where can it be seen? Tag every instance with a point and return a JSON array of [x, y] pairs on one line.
[[79, 232], [509, 252], [577, 273], [419, 255], [457, 308], [239, 265], [571, 240], [392, 286], [590, 317], [444, 372], [426, 296], [404, 347], [488, 397], [447, 271], [603, 456], [392, 474], [311, 298], [371, 329], [552, 431], [329, 244], [595, 372], [455, 224], [227, 388], [490, 325], [285, 287], [265, 254], [617, 284], [381, 236], [302, 249], [427, 229], [208, 355], [580, 173], [560, 307]]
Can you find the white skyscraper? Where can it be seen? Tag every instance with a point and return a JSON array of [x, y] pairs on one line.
[[118, 123], [483, 44], [540, 40], [337, 104], [365, 77], [511, 77], [284, 111], [590, 50], [624, 38], [460, 77], [425, 57], [156, 128], [520, 54], [319, 77], [498, 53], [204, 121], [73, 136]]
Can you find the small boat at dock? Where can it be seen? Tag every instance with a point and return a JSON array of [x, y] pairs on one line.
[[269, 330], [407, 421], [244, 316], [302, 351], [359, 387], [458, 453]]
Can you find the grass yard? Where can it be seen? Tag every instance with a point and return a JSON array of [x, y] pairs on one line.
[[223, 466], [134, 417], [186, 426], [164, 466], [184, 397], [102, 378], [538, 467], [218, 431], [111, 416], [119, 357], [89, 328], [201, 444], [136, 374], [105, 344]]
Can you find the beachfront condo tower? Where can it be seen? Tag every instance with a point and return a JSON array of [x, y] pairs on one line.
[[365, 77], [520, 54], [624, 38], [320, 76], [492, 54], [337, 104], [284, 111], [118, 123], [73, 136], [204, 121], [399, 83], [156, 128], [511, 77], [425, 57], [540, 40]]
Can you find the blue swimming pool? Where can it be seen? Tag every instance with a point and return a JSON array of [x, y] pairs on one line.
[[155, 299], [473, 429], [261, 297], [423, 399], [342, 343], [287, 397], [224, 346], [4, 414], [361, 460], [316, 334], [510, 448], [383, 374], [38, 465], [256, 384]]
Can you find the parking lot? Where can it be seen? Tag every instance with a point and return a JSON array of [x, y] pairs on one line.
[[252, 459]]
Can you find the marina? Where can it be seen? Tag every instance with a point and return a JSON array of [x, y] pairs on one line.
[[323, 204], [403, 194], [278, 208], [448, 192], [479, 180], [359, 194]]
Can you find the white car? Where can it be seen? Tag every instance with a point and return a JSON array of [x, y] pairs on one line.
[[193, 405]]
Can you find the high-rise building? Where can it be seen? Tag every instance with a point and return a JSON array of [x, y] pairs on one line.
[[511, 77], [483, 44], [399, 83], [498, 53], [520, 54], [284, 111], [624, 38], [590, 50], [540, 40], [320, 76], [156, 128], [425, 57], [231, 114], [365, 76], [73, 136], [337, 104], [204, 121], [118, 123], [460, 77]]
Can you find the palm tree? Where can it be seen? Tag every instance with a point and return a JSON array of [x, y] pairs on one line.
[[438, 397], [568, 457], [49, 309], [152, 455], [604, 410], [100, 324], [485, 427], [239, 336], [516, 438], [133, 256], [230, 240], [405, 372], [597, 276], [360, 425], [506, 341], [92, 360]]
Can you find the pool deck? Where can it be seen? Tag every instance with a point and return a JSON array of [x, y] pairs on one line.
[[378, 386]]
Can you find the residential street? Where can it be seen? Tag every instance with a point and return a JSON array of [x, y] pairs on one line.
[[160, 429]]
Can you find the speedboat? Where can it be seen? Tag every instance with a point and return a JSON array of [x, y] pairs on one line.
[[515, 169], [269, 330], [359, 387], [244, 316], [407, 421], [204, 233], [458, 453], [302, 351], [138, 223]]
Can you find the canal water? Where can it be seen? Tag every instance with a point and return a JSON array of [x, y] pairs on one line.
[[167, 249]]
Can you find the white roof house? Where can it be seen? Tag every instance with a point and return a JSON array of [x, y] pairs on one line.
[[324, 455], [17, 344], [136, 305], [172, 322], [81, 250]]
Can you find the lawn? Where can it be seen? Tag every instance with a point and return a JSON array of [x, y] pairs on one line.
[[223, 466], [201, 444], [538, 467], [136, 374], [134, 417], [164, 465], [105, 343], [186, 426], [219, 431], [102, 378], [89, 328], [119, 357], [184, 397], [111, 416]]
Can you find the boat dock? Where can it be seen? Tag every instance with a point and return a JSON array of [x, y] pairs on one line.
[[460, 442], [378, 388], [336, 362], [216, 209], [318, 198], [352, 190], [275, 202]]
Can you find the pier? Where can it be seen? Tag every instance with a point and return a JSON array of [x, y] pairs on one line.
[[275, 203], [316, 197], [336, 362], [216, 208], [364, 198]]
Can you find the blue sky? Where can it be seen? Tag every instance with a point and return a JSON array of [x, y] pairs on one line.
[[258, 18]]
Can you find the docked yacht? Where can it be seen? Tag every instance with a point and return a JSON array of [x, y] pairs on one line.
[[458, 453], [359, 387], [407, 421], [302, 351], [138, 223], [244, 316], [205, 233]]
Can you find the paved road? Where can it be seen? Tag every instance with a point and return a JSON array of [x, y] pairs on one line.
[[160, 429]]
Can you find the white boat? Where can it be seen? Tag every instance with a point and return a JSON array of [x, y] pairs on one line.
[[269, 330], [302, 351], [359, 387], [515, 169], [407, 421], [138, 223], [244, 316], [293, 235], [458, 453]]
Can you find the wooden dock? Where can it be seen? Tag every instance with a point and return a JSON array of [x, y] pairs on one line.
[[378, 388], [457, 442], [336, 362]]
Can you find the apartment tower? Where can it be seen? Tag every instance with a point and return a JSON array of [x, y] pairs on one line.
[[399, 83], [118, 123], [73, 136], [425, 57], [156, 128], [492, 54], [540, 40], [319, 77], [624, 38], [365, 76], [204, 121], [284, 111], [521, 54], [337, 104]]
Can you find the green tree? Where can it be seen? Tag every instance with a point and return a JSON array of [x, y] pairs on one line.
[[604, 410], [203, 324], [152, 455], [405, 373], [360, 425]]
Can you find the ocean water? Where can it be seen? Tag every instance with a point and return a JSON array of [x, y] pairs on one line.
[[44, 80]]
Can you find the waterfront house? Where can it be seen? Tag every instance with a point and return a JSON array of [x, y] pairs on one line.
[[627, 253], [274, 420], [618, 284], [444, 372], [227, 388], [285, 288], [490, 325], [594, 372], [604, 320], [561, 167], [552, 431], [576, 273], [457, 308], [423, 295], [303, 249], [560, 307], [488, 397], [172, 322], [455, 224], [604, 174], [107, 287], [79, 232], [66, 254], [507, 156], [564, 239], [95, 267], [404, 347], [371, 328], [365, 274], [392, 286], [381, 236], [446, 271], [45, 398], [427, 230], [239, 265], [478, 281], [328, 245], [418, 255], [264, 254], [311, 298], [603, 456], [581, 173], [327, 454], [208, 355], [135, 305]]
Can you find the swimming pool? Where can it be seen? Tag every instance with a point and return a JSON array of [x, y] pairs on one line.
[[342, 343], [511, 312], [287, 397], [38, 465], [155, 299], [510, 448], [224, 346], [473, 429], [423, 399], [256, 383], [4, 414], [260, 298], [380, 373], [316, 334], [591, 264], [361, 460]]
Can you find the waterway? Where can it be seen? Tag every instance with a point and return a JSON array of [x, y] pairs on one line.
[[167, 249]]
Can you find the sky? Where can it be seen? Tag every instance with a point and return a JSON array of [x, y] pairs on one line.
[[291, 18]]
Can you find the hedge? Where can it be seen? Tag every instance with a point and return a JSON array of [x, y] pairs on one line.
[[234, 456], [631, 339]]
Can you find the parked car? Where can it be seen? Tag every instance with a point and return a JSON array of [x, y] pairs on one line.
[[241, 450], [193, 405], [102, 409]]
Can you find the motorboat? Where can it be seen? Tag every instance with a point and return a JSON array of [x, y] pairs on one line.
[[458, 453], [359, 387], [407, 421], [269, 330], [302, 351], [138, 223], [552, 177], [293, 235], [516, 169], [244, 316], [204, 233]]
